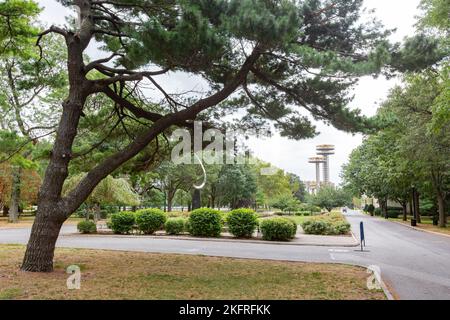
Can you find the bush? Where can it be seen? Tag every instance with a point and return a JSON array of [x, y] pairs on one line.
[[316, 227], [205, 222], [87, 226], [122, 222], [278, 229], [394, 213], [303, 213], [330, 224], [342, 227], [377, 211], [174, 225], [242, 222], [150, 220]]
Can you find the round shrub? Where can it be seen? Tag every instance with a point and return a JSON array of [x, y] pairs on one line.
[[205, 222], [316, 227], [242, 222], [150, 220], [87, 226], [278, 229], [174, 225], [122, 222], [341, 227]]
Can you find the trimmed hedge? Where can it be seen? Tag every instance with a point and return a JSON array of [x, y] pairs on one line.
[[303, 213], [242, 222], [122, 222], [87, 226], [175, 225], [278, 229], [150, 220], [329, 224], [205, 222]]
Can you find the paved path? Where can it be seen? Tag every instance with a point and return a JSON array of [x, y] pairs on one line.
[[414, 264]]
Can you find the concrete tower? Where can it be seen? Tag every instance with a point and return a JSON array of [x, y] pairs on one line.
[[317, 161], [325, 150]]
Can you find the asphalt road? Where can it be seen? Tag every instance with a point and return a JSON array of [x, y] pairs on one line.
[[413, 264]]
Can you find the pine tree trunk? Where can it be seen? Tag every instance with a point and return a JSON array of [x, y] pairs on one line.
[[441, 208], [41, 245], [15, 195]]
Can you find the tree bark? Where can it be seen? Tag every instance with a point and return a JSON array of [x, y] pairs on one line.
[[196, 199], [15, 195], [52, 212], [405, 211], [41, 246], [5, 211], [417, 207], [441, 208]]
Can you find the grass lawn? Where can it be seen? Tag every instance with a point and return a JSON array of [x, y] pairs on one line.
[[28, 222], [131, 275], [427, 224], [298, 219]]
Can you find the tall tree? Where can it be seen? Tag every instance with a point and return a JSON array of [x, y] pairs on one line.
[[271, 54]]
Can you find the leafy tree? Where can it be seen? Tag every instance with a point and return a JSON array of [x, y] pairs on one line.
[[15, 26], [28, 80], [286, 202], [113, 191], [275, 57], [329, 197], [436, 14], [237, 186]]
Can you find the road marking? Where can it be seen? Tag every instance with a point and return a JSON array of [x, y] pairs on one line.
[[338, 250], [332, 256]]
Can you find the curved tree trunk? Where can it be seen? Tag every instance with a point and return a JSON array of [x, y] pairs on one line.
[[41, 246]]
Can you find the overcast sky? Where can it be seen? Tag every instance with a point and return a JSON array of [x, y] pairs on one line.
[[291, 155]]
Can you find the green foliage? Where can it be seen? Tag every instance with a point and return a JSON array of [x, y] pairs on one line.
[[16, 29], [302, 213], [286, 203], [205, 222], [436, 14], [328, 224], [242, 222], [150, 220], [175, 225], [329, 197], [87, 226], [278, 229], [310, 208], [122, 222], [110, 190], [237, 185]]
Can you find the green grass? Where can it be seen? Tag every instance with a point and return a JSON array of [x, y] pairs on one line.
[[10, 293], [135, 275]]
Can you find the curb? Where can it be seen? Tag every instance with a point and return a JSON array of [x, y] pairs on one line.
[[354, 244], [420, 229]]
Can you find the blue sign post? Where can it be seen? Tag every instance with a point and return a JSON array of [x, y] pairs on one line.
[[361, 233]]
